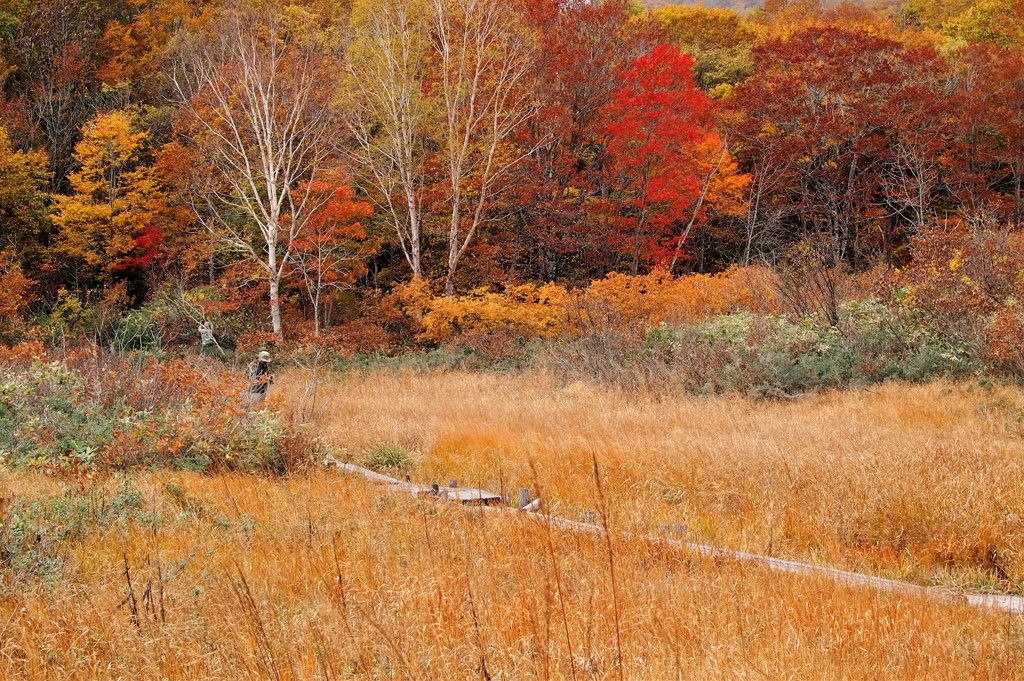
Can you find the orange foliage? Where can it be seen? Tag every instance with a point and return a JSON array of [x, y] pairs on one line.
[[363, 336], [21, 352], [659, 297], [549, 311], [412, 298], [529, 310], [188, 245], [253, 341], [726, 187], [17, 293], [1004, 337], [135, 47]]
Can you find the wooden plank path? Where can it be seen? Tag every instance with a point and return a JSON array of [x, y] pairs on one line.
[[478, 497], [462, 495]]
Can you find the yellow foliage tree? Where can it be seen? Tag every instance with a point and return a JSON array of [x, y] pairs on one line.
[[111, 221], [934, 13], [718, 38], [998, 22], [23, 182]]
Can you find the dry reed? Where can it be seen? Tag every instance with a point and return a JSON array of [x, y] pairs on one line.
[[924, 483], [320, 576], [316, 575]]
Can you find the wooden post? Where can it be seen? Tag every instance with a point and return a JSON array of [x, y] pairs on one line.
[[524, 497]]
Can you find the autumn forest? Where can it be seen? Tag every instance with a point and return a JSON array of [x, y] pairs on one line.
[[677, 290], [282, 163]]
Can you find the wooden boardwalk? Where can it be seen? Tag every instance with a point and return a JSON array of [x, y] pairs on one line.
[[463, 495], [477, 497]]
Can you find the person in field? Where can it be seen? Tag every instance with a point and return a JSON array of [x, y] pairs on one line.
[[260, 378]]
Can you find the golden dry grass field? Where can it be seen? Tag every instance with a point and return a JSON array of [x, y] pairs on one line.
[[318, 575], [923, 483], [237, 577]]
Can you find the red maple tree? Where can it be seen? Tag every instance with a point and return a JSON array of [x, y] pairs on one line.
[[656, 120], [331, 251]]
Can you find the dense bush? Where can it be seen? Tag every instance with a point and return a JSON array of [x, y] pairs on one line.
[[88, 411], [659, 297], [967, 283], [769, 355], [700, 334], [697, 333], [529, 312]]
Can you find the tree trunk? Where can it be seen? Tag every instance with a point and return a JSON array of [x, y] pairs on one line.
[[316, 316], [275, 305], [417, 268], [412, 206], [1018, 196], [453, 236]]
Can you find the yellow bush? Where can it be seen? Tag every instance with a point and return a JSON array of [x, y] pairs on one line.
[[413, 297], [549, 311], [659, 297], [527, 310]]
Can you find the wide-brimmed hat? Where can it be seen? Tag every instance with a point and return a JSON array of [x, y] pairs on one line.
[[264, 356]]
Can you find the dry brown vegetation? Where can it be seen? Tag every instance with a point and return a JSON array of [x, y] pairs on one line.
[[317, 575], [320, 576], [923, 483]]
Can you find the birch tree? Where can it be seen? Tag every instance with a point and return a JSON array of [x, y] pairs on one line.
[[255, 90], [484, 55], [388, 112]]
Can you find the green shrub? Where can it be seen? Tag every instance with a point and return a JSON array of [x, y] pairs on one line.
[[449, 357], [94, 411], [389, 457], [771, 355], [133, 330], [34, 535]]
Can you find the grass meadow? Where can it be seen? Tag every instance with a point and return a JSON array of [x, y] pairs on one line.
[[315, 575], [923, 483]]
